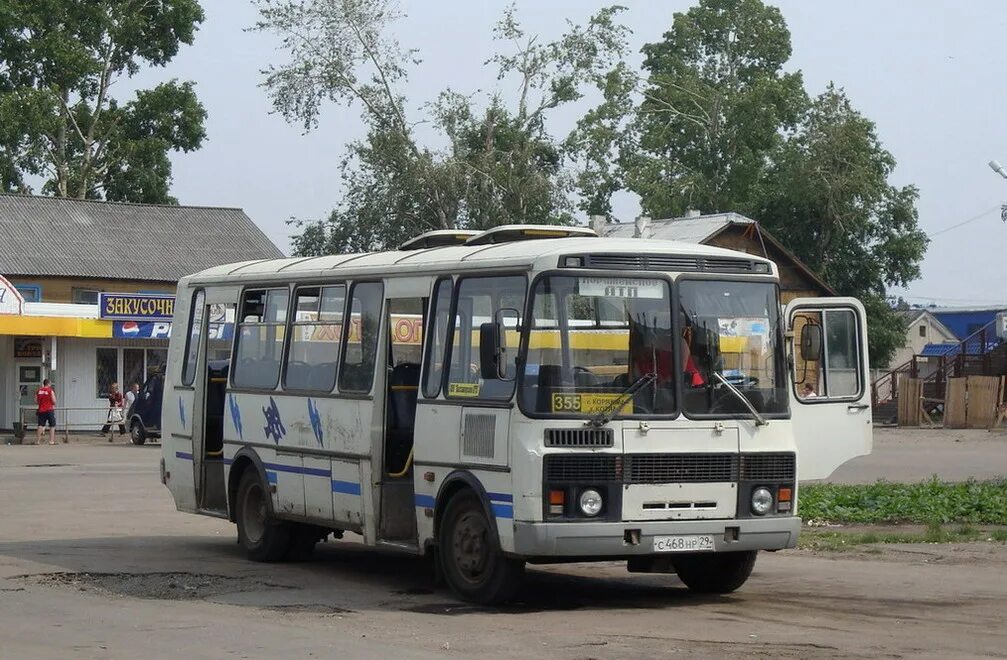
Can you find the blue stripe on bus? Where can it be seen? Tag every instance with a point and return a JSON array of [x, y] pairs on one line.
[[502, 510], [345, 487], [500, 497], [425, 501], [297, 469]]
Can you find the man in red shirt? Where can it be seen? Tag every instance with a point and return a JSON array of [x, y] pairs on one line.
[[46, 415]]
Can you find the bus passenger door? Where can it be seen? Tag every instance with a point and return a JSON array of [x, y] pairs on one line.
[[830, 392], [404, 342], [208, 413]]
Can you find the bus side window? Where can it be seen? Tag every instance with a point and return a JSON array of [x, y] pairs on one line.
[[837, 374], [360, 340], [192, 343], [259, 339], [315, 331], [440, 310]]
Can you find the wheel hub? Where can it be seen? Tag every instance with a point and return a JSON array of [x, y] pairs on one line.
[[470, 547]]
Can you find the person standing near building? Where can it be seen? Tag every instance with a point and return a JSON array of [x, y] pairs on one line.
[[134, 389], [114, 410], [46, 415]]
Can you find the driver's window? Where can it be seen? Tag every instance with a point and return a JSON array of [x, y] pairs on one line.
[[835, 373], [483, 300]]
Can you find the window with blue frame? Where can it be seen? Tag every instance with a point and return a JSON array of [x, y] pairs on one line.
[[30, 292]]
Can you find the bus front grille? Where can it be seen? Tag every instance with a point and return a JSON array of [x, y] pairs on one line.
[[680, 468], [768, 467], [668, 468]]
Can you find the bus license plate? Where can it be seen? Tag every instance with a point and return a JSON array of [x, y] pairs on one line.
[[700, 543]]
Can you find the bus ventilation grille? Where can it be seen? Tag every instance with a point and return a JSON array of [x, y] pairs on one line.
[[669, 468], [680, 263], [768, 467], [604, 437], [479, 436]]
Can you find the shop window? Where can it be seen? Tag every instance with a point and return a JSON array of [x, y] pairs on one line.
[[106, 370], [84, 296], [132, 367], [156, 359]]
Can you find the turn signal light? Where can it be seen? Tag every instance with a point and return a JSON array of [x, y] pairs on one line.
[[784, 495], [556, 500]]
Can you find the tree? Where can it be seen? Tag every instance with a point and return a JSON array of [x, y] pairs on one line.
[[499, 165], [829, 198], [716, 102], [59, 62]]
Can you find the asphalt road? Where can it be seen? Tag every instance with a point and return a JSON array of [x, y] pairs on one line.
[[910, 454], [96, 563]]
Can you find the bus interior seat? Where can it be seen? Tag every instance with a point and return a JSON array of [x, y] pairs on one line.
[[403, 388], [322, 377]]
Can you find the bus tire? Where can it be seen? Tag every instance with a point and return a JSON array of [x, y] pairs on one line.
[[263, 538], [470, 558], [715, 573], [137, 434]]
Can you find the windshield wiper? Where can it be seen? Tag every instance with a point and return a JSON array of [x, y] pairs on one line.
[[759, 419], [606, 414]]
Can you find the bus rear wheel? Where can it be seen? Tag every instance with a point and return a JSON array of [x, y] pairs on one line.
[[715, 573], [263, 538], [471, 561]]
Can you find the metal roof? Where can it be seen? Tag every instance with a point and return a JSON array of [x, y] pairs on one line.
[[937, 350], [58, 237]]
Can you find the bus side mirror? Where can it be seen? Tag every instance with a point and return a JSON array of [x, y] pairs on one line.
[[811, 343], [490, 350], [493, 362]]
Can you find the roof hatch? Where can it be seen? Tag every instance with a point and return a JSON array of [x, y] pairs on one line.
[[511, 233], [439, 238]]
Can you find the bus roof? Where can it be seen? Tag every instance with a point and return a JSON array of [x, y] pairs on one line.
[[519, 255]]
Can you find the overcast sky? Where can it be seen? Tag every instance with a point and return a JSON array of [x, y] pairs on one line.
[[929, 73]]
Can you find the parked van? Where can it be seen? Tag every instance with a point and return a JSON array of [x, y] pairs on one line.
[[145, 414]]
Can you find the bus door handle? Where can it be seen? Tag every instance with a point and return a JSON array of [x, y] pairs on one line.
[[858, 406]]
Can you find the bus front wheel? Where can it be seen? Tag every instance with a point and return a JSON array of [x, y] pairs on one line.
[[263, 538], [471, 561], [715, 573]]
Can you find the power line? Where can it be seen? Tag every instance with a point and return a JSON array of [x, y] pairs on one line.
[[965, 222]]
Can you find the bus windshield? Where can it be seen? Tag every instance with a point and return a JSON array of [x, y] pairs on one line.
[[731, 333], [591, 338]]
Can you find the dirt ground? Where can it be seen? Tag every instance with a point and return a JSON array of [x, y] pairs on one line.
[[96, 563]]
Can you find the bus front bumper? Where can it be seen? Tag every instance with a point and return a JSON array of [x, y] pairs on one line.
[[624, 539]]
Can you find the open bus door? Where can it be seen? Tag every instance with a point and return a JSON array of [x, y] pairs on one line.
[[830, 396], [213, 364]]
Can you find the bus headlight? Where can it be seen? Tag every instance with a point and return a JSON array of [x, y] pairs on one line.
[[590, 502], [762, 501]]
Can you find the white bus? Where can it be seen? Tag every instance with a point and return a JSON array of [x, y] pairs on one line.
[[523, 395]]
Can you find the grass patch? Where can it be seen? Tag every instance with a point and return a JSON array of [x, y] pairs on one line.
[[834, 541], [930, 502]]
